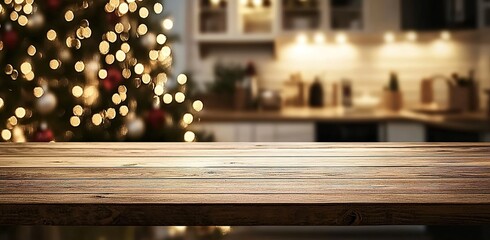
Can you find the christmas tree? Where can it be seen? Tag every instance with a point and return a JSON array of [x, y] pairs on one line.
[[90, 70]]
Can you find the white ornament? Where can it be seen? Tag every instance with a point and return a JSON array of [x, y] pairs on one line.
[[136, 128], [46, 104]]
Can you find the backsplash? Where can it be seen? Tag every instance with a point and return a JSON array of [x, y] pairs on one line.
[[366, 65]]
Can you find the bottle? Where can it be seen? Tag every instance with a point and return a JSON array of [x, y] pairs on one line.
[[347, 100], [316, 95], [252, 84], [394, 85]]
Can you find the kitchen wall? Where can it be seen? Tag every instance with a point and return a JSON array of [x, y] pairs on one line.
[[367, 65]]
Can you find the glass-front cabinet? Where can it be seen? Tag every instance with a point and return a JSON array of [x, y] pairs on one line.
[[235, 19], [248, 20], [302, 15], [213, 16]]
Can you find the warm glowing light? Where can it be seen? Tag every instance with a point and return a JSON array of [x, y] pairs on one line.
[[6, 134], [167, 98], [25, 68], [124, 110], [75, 121], [79, 66], [180, 97], [198, 105], [78, 110], [2, 103], [102, 73], [320, 38], [38, 92], [302, 39], [69, 16], [182, 79], [168, 24], [31, 50], [77, 91], [341, 38], [97, 119], [116, 99], [123, 8], [54, 64], [188, 118], [159, 90], [161, 39], [142, 29], [412, 36], [139, 68], [20, 112], [158, 8], [446, 36], [51, 35], [144, 12], [120, 55], [111, 113], [389, 37], [189, 136]]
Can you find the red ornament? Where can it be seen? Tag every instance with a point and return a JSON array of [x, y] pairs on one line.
[[53, 5], [113, 79], [156, 118], [10, 39], [43, 135]]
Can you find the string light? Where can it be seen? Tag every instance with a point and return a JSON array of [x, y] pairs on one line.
[[198, 105], [188, 118], [168, 24], [182, 79], [6, 134], [20, 112], [189, 136]]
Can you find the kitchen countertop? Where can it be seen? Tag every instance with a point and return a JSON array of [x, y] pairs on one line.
[[478, 121]]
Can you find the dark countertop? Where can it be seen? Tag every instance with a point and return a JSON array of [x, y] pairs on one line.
[[477, 121]]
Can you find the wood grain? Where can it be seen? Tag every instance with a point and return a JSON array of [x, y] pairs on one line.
[[244, 184]]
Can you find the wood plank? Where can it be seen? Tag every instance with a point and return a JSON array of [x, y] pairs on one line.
[[144, 199], [67, 173], [254, 161], [245, 215], [245, 149], [249, 186]]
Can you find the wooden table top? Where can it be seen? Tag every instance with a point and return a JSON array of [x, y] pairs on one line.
[[244, 184]]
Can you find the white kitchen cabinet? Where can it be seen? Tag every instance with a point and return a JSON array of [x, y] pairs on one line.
[[404, 132], [295, 132], [260, 132]]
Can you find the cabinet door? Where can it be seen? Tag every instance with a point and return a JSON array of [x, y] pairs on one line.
[[404, 132], [382, 15], [295, 132], [439, 14]]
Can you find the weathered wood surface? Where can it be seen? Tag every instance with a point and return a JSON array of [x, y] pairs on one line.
[[244, 184]]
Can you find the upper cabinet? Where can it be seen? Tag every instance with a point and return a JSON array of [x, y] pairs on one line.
[[484, 14], [262, 21], [301, 15], [347, 15], [256, 17], [212, 16], [439, 14]]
